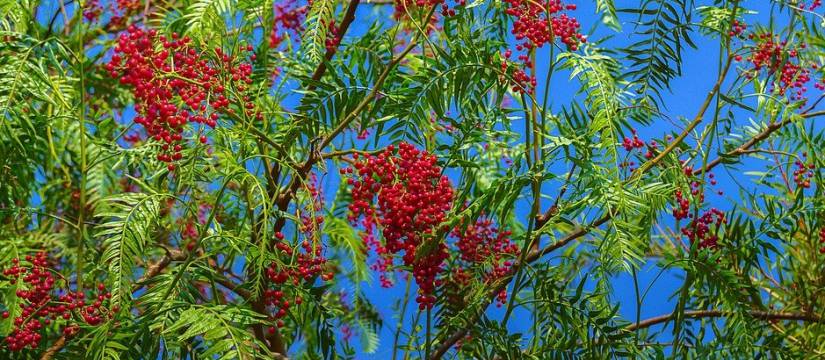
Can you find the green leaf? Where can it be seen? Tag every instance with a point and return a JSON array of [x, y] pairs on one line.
[[127, 231]]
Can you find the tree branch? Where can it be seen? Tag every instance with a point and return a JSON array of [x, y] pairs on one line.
[[54, 349], [760, 315], [156, 268], [743, 149]]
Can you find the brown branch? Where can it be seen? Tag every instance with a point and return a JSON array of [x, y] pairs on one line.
[[349, 16], [54, 349], [542, 219], [342, 153], [760, 315], [236, 288], [743, 149], [582, 231], [156, 268]]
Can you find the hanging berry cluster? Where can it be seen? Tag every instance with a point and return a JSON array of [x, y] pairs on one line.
[[538, 23], [780, 59], [803, 174], [333, 38], [92, 10], [41, 306], [405, 195], [737, 28], [404, 7], [123, 9], [635, 143], [815, 4], [484, 245], [822, 240], [681, 211], [308, 264], [454, 289], [704, 229], [311, 218], [289, 19], [701, 230], [174, 85], [189, 228]]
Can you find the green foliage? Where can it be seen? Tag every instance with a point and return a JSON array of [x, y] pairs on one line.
[[609, 17], [126, 234], [219, 328], [318, 20], [655, 59], [193, 255], [205, 18]]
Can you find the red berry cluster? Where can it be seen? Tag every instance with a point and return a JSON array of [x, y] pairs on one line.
[[278, 300], [701, 230], [822, 240], [333, 38], [92, 10], [311, 218], [538, 23], [309, 264], [189, 234], [405, 7], [634, 143], [132, 138], [347, 331], [780, 59], [815, 4], [130, 5], [737, 28], [41, 306], [122, 9], [683, 209], [405, 195], [289, 18], [695, 185], [174, 85], [803, 174], [482, 244], [455, 286], [698, 230]]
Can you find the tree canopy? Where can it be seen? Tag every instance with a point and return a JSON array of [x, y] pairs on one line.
[[398, 179]]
